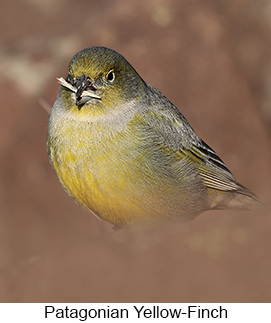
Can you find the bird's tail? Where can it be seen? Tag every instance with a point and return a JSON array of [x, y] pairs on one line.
[[241, 198]]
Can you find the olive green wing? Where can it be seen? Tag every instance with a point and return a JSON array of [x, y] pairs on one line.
[[173, 131], [213, 171]]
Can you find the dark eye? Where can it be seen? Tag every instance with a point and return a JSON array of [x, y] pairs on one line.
[[110, 76]]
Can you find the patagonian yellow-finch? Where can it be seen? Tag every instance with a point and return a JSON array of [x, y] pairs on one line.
[[122, 150]]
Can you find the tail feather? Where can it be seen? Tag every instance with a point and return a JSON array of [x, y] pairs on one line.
[[241, 198]]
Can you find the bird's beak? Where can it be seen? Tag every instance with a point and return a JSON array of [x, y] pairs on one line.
[[85, 91]]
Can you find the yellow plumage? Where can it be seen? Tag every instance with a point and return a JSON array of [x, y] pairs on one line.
[[123, 151]]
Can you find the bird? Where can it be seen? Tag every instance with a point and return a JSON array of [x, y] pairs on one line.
[[125, 153]]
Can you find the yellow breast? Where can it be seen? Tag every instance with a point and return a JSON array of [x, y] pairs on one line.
[[101, 172], [119, 173]]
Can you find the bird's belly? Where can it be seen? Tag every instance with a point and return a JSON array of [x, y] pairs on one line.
[[118, 192], [115, 189], [121, 183]]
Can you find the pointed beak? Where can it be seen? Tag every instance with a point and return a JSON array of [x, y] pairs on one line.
[[85, 91]]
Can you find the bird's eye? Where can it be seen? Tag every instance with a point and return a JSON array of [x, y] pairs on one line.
[[110, 76]]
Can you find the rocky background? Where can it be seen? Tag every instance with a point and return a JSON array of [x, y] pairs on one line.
[[212, 59]]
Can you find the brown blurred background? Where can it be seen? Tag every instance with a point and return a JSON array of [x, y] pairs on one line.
[[213, 60]]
